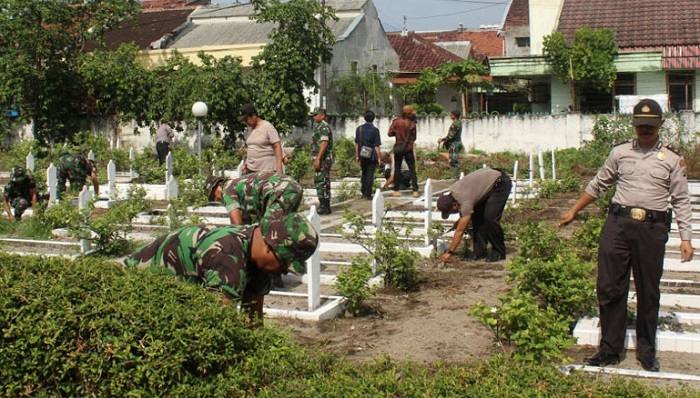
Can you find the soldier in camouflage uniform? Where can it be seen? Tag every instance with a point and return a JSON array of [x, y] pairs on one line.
[[322, 152], [76, 169], [255, 196], [19, 193], [237, 260], [453, 140]]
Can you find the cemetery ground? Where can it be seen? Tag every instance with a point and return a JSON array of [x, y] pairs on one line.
[[432, 323]]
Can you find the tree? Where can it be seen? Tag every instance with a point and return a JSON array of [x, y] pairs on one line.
[[589, 60], [217, 82], [422, 92], [116, 85], [464, 75], [357, 91], [299, 44], [39, 46]]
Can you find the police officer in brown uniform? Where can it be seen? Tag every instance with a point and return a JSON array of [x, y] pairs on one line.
[[649, 176]]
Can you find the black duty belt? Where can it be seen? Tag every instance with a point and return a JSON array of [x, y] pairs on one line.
[[639, 214]]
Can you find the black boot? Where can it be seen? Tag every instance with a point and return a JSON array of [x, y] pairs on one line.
[[328, 206], [322, 209]]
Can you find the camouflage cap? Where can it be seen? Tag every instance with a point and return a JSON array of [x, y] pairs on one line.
[[293, 239], [211, 183], [317, 111], [19, 174]]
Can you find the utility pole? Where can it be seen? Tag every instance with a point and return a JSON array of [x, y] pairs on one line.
[[323, 69]]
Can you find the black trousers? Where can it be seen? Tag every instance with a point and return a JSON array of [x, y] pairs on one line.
[[628, 245], [486, 219], [411, 162], [162, 149], [368, 167]]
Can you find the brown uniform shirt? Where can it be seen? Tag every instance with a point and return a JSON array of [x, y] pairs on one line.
[[650, 179], [473, 188]]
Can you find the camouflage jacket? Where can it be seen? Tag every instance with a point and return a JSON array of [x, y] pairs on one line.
[[75, 168], [258, 194], [322, 132], [23, 189], [217, 258]]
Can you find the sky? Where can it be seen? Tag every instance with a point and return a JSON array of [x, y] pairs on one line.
[[424, 15], [439, 14]]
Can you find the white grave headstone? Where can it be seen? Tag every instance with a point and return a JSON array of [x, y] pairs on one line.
[[30, 162], [52, 183], [313, 264], [112, 180]]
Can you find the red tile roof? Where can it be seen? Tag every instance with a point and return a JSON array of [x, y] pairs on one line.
[[169, 4], [485, 42], [149, 27], [417, 53], [518, 14], [636, 23]]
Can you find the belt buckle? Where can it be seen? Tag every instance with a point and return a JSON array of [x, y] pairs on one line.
[[638, 214]]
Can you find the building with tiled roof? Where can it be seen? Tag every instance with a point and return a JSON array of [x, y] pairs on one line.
[[191, 26], [658, 51]]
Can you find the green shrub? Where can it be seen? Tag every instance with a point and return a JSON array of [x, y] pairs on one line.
[[109, 232], [564, 283], [394, 256], [300, 166], [538, 241], [352, 283], [92, 328], [345, 164], [538, 333]]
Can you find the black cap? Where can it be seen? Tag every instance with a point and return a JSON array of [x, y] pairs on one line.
[[246, 110], [647, 112], [444, 204], [456, 112]]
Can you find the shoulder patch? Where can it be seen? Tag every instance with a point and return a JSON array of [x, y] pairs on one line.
[[621, 143], [674, 150]]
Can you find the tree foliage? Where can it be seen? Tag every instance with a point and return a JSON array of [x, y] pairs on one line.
[[299, 44], [39, 46], [422, 93], [361, 90], [588, 60]]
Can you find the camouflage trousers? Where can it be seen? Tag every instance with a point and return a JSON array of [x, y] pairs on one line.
[[76, 184], [322, 181], [454, 151], [19, 205], [170, 254]]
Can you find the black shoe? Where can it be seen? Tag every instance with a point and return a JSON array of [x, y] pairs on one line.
[[277, 281], [477, 257], [602, 358], [495, 257], [650, 364]]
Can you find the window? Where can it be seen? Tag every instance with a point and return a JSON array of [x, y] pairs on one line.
[[522, 41], [624, 85], [680, 90]]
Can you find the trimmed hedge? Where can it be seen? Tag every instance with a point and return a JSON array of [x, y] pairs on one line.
[[92, 328]]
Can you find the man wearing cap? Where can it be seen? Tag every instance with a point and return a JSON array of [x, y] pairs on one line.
[[237, 259], [76, 169], [649, 176], [322, 152], [453, 140], [404, 129], [263, 145], [19, 194], [255, 196], [479, 197]]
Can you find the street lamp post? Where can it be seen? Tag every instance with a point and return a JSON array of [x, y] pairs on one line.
[[199, 110]]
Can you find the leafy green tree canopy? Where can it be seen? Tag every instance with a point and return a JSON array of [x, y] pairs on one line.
[[300, 43], [39, 44], [589, 60], [360, 90]]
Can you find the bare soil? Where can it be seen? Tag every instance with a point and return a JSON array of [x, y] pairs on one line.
[[432, 324]]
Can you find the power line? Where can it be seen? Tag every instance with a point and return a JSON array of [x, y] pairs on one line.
[[462, 12]]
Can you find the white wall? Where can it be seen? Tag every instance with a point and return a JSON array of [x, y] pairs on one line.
[[518, 133], [544, 15]]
